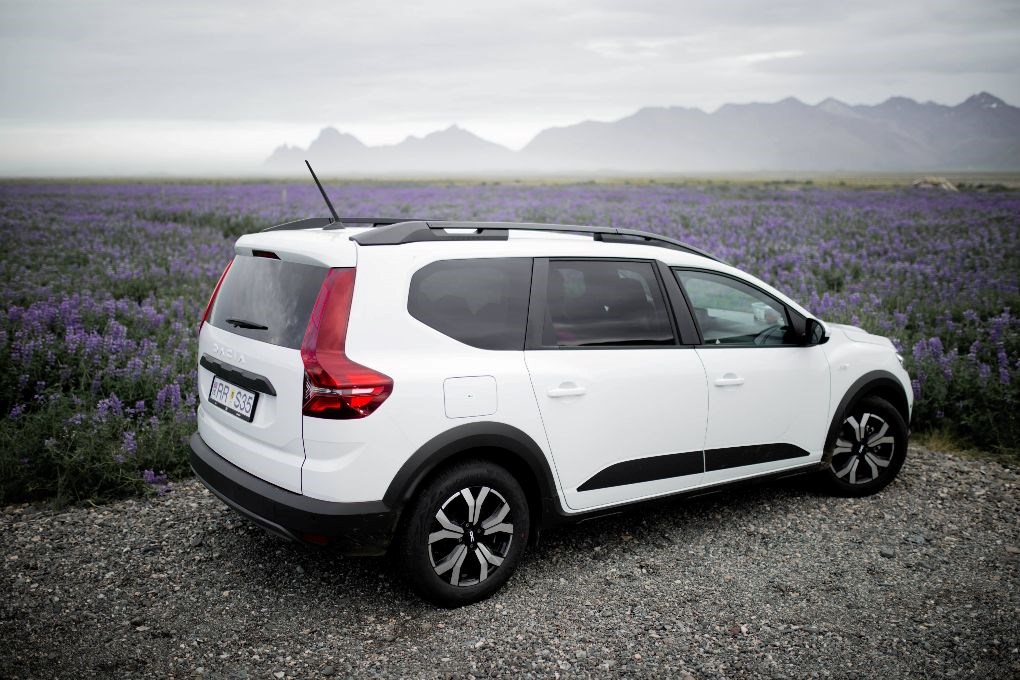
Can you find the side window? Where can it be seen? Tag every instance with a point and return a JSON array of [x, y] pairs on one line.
[[604, 303], [480, 302], [733, 313]]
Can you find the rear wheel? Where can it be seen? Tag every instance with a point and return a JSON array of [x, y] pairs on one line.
[[870, 448], [464, 534]]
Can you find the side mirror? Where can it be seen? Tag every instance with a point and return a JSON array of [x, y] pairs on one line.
[[814, 333]]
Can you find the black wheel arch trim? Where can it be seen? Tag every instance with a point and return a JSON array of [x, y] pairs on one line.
[[882, 382], [462, 438]]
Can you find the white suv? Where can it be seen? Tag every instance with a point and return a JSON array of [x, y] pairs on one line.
[[443, 390]]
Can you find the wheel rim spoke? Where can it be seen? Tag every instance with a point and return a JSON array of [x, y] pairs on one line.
[[455, 575], [879, 435], [444, 533], [476, 508], [843, 472], [483, 565], [445, 522], [871, 464], [496, 517], [489, 557], [883, 440], [504, 527], [451, 559], [875, 460], [842, 446], [853, 470], [857, 427]]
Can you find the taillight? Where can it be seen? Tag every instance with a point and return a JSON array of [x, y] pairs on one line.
[[212, 298], [335, 386]]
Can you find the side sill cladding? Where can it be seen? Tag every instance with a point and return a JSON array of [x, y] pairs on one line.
[[882, 383], [463, 438]]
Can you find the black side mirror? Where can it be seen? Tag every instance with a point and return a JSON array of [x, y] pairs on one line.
[[814, 333]]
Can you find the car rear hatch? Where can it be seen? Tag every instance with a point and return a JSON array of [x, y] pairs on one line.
[[251, 374]]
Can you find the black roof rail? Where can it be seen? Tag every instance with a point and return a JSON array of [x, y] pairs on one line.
[[419, 230], [330, 223]]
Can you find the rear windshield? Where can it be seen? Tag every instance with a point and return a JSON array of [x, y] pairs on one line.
[[267, 299]]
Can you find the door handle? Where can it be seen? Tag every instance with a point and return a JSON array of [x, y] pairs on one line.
[[730, 379], [567, 389]]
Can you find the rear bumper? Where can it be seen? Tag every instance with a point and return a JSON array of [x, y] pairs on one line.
[[356, 528]]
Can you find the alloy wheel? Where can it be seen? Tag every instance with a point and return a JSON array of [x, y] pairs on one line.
[[470, 536], [864, 449]]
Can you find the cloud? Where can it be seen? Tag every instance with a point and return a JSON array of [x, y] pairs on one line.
[[768, 56], [634, 48]]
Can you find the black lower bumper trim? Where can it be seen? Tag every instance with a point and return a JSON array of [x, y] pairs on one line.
[[364, 528]]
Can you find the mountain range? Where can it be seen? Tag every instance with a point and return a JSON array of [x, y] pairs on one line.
[[981, 133]]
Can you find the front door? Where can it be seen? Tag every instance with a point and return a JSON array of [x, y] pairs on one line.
[[768, 396], [624, 406]]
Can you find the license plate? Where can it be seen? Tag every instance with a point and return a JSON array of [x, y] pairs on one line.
[[233, 399]]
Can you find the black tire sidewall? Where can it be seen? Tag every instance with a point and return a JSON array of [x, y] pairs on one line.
[[413, 538], [897, 425]]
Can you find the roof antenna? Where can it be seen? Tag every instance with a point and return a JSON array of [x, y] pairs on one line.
[[336, 218]]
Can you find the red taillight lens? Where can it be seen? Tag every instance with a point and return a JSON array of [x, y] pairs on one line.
[[212, 298], [335, 386]]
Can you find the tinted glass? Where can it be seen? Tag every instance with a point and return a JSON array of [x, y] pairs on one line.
[[732, 313], [482, 303], [604, 304], [273, 294]]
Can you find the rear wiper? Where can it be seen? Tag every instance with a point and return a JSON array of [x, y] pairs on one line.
[[241, 323]]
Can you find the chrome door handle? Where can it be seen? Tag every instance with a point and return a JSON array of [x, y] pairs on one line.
[[566, 390], [730, 379]]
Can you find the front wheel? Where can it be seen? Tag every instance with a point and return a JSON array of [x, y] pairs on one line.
[[870, 448], [464, 534]]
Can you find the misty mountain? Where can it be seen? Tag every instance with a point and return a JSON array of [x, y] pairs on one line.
[[451, 151], [900, 134]]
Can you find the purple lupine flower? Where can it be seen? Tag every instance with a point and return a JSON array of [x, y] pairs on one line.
[[128, 444]]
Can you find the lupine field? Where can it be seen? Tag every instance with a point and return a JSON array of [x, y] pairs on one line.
[[104, 283]]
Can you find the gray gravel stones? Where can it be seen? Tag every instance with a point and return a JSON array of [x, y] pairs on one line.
[[768, 581]]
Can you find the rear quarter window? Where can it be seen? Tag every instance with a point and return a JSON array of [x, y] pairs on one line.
[[479, 302]]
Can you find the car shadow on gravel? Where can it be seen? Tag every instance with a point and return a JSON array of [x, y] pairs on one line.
[[357, 584]]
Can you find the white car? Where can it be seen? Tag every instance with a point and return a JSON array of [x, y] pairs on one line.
[[443, 390]]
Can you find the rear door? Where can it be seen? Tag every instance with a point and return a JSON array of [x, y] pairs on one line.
[[624, 404], [251, 376]]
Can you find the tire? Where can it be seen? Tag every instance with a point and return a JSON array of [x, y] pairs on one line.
[[857, 470], [470, 556]]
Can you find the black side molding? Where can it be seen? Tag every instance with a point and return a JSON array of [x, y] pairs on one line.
[[739, 456], [238, 376], [646, 470], [670, 465]]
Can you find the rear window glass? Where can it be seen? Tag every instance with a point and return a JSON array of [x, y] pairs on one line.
[[605, 304], [480, 302], [267, 299]]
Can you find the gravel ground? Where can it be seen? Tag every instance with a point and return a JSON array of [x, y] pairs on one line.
[[768, 581]]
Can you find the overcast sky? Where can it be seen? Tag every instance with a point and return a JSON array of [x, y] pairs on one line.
[[126, 86]]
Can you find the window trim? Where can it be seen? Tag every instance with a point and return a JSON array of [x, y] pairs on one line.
[[793, 317], [540, 293]]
